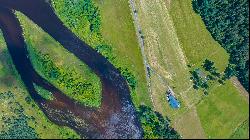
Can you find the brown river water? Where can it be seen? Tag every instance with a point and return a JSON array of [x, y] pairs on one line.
[[115, 118]]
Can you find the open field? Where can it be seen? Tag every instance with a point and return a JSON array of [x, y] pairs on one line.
[[118, 29], [198, 45], [10, 83], [196, 41], [222, 111], [191, 119], [165, 57], [175, 37]]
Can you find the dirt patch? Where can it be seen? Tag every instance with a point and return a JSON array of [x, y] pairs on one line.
[[168, 3], [242, 90]]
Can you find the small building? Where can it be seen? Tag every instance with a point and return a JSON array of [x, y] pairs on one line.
[[173, 102]]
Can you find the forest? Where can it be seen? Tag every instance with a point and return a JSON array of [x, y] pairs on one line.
[[228, 22]]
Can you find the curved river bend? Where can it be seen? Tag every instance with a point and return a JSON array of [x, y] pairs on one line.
[[116, 117]]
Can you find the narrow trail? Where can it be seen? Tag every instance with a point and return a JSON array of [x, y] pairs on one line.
[[148, 69], [141, 44]]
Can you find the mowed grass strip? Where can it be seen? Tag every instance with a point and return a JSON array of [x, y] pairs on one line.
[[222, 111], [118, 29], [165, 56]]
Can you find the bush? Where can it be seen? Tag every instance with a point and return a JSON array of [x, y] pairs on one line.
[[155, 126]]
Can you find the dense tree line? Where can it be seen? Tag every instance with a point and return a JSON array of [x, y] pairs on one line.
[[228, 22], [155, 126]]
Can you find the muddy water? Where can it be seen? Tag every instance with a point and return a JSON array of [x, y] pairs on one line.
[[116, 118]]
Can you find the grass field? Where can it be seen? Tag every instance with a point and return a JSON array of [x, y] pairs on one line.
[[118, 29], [175, 37], [223, 111], [196, 41], [10, 82], [166, 58], [224, 106]]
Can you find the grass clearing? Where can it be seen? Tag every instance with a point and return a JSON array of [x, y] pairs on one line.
[[168, 31], [222, 111], [118, 29], [10, 82], [196, 41], [165, 57]]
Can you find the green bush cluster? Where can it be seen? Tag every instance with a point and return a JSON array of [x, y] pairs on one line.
[[155, 126], [228, 22], [78, 10], [202, 79], [66, 78], [43, 92], [198, 80], [129, 77], [16, 125]]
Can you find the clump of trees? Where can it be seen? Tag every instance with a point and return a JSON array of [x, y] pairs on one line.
[[199, 80], [228, 22], [230, 71], [74, 12], [203, 79], [155, 126], [129, 77]]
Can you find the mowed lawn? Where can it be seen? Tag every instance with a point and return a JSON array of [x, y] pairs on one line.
[[165, 57], [10, 82], [224, 109], [118, 30], [195, 40]]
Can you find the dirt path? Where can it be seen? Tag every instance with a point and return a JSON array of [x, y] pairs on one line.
[[141, 44], [241, 89]]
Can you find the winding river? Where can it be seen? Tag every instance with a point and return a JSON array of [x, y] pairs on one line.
[[115, 118]]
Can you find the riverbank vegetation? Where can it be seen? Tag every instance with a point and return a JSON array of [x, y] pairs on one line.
[[20, 117], [228, 22], [113, 36], [60, 67], [156, 126]]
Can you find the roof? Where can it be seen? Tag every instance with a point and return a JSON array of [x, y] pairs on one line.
[[174, 103]]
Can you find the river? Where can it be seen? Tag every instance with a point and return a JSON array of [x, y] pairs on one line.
[[115, 118]]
